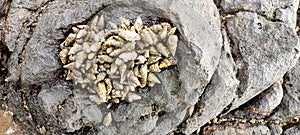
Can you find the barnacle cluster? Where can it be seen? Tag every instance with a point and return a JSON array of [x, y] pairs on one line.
[[112, 63]]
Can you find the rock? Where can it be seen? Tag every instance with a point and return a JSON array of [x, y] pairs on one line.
[[40, 58], [260, 61], [161, 109], [51, 98], [284, 11], [275, 129], [200, 57], [219, 93], [15, 37], [241, 129], [268, 100], [165, 106], [290, 103], [294, 130], [29, 4]]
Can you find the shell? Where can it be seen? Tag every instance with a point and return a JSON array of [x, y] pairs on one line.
[[154, 67], [119, 61], [138, 25], [105, 58], [75, 30], [144, 74], [125, 23], [91, 56], [108, 85], [70, 39], [100, 77], [172, 44], [101, 91], [69, 75], [127, 56], [153, 59], [82, 33], [162, 49], [163, 33], [113, 42], [129, 35], [191, 110], [95, 47], [63, 55], [83, 27], [122, 70], [146, 37], [101, 23], [80, 57], [153, 36], [86, 47], [107, 119], [115, 52], [88, 65], [132, 96], [115, 100], [91, 77], [153, 51], [156, 28], [172, 31], [113, 68], [153, 78], [165, 63], [76, 48], [141, 59], [117, 85], [130, 46], [94, 23], [136, 71], [69, 66], [133, 79]]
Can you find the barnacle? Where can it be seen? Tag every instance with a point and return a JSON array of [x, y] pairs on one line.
[[110, 64]]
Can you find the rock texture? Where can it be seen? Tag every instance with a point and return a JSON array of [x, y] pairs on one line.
[[237, 72], [261, 61]]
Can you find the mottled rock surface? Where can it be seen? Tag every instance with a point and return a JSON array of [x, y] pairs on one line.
[[250, 85], [261, 61], [284, 11], [219, 93], [241, 129], [290, 103]]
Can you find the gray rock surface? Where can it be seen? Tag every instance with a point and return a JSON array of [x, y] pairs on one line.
[[208, 81], [241, 130], [284, 11], [163, 107], [51, 98], [219, 93], [41, 48], [261, 61], [295, 130], [290, 103], [269, 99]]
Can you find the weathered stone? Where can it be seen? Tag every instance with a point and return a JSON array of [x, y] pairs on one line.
[[290, 103], [268, 100], [219, 93], [262, 61], [51, 98], [241, 129], [294, 130], [284, 11], [275, 129], [40, 60]]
